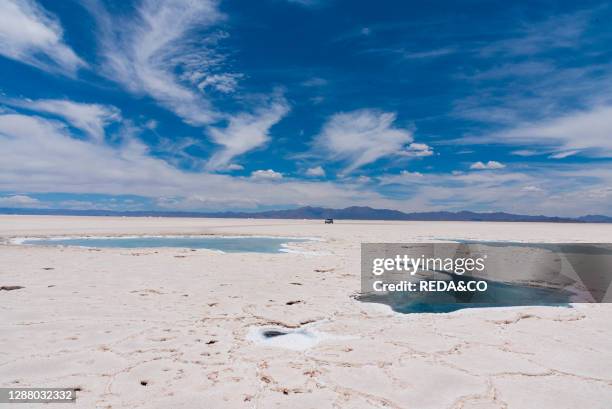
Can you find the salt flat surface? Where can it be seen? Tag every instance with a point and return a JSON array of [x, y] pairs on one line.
[[181, 322]]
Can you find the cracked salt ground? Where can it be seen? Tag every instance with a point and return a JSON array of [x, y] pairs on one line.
[[194, 349], [297, 339]]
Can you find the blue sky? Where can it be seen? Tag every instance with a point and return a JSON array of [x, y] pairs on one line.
[[242, 105]]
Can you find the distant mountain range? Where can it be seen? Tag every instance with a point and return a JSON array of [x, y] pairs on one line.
[[308, 212]]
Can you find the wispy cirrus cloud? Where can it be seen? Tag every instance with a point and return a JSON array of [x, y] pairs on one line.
[[90, 118], [553, 107], [562, 155], [539, 91], [585, 132], [245, 131], [168, 50], [560, 31], [406, 54], [146, 53], [364, 136], [33, 36], [315, 82], [537, 56], [309, 3]]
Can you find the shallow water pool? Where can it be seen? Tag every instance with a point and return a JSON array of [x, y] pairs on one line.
[[219, 243], [497, 295]]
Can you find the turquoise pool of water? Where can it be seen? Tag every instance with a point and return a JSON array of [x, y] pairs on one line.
[[497, 295], [220, 243]]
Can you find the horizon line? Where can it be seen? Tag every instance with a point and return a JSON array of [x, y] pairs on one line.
[[510, 217]]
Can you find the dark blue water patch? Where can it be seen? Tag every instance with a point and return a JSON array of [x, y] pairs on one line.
[[498, 294], [225, 244]]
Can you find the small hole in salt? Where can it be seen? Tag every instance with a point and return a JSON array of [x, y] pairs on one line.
[[273, 333]]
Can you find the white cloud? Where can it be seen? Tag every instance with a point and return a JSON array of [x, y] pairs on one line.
[[200, 201], [417, 150], [405, 54], [532, 189], [31, 35], [364, 179], [362, 137], [19, 201], [317, 171], [564, 190], [151, 124], [266, 174], [561, 31], [90, 118], [44, 151], [524, 152], [405, 177], [489, 165], [409, 174], [562, 155], [145, 52], [512, 70], [225, 83], [245, 132], [438, 52], [542, 87], [317, 100], [40, 155], [586, 132], [167, 50], [308, 3], [315, 82]]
